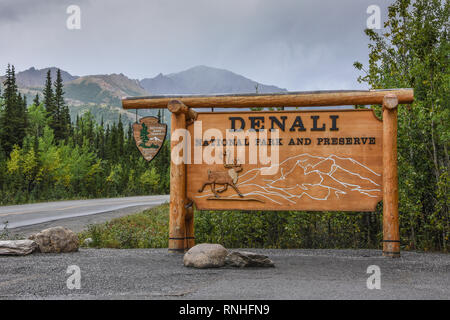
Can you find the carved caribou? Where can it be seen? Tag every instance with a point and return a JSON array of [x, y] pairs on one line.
[[225, 178]]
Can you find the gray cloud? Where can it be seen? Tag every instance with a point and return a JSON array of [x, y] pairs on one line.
[[297, 44], [19, 10]]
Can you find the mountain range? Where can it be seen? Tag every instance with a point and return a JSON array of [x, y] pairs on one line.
[[204, 80], [102, 94]]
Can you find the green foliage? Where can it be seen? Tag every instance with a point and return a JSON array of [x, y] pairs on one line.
[[6, 235], [413, 51], [85, 160], [285, 230], [57, 110], [241, 230], [148, 229], [13, 116], [36, 100], [89, 165], [48, 95], [61, 118]]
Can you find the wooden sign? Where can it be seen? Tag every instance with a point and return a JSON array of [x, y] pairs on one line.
[[328, 161], [333, 160], [149, 135]]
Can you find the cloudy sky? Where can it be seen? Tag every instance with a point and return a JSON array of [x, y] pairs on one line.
[[294, 44]]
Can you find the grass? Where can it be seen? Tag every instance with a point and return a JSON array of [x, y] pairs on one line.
[[235, 229], [148, 229], [6, 235]]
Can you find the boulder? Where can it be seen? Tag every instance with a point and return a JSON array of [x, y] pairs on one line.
[[56, 240], [205, 255], [242, 259], [17, 247]]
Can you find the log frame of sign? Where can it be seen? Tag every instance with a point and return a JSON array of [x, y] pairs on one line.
[[181, 223], [181, 216], [391, 233]]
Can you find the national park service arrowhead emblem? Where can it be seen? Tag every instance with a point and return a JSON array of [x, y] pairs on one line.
[[149, 135]]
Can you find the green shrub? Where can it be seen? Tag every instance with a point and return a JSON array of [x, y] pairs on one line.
[[233, 229], [271, 229], [148, 229]]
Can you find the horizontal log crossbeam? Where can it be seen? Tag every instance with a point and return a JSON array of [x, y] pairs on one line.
[[284, 99]]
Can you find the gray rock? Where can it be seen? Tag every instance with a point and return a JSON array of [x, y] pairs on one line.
[[17, 247], [242, 259], [56, 240], [205, 255]]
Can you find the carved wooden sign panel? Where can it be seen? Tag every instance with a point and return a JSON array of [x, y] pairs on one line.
[[328, 161], [149, 135]]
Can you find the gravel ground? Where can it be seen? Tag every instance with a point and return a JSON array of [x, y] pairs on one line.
[[157, 274]]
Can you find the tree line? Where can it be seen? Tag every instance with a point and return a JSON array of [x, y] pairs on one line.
[[44, 156], [412, 51]]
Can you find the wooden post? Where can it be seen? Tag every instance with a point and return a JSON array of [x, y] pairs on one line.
[[190, 237], [391, 234], [177, 223]]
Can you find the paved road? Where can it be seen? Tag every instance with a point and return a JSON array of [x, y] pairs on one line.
[[76, 214], [157, 274]]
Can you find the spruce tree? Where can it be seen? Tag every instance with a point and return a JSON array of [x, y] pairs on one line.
[[13, 119], [67, 120], [100, 140], [36, 101], [113, 147], [61, 111], [49, 102], [22, 117], [131, 144], [10, 87], [107, 144], [88, 121], [120, 137], [48, 95]]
